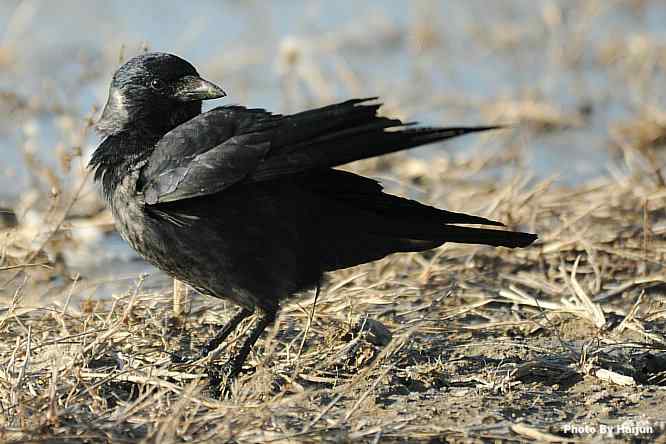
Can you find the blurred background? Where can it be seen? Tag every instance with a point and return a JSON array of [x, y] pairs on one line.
[[579, 81]]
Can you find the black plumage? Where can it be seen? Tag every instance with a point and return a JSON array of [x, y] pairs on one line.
[[245, 205]]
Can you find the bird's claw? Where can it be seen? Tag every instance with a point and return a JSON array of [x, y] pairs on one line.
[[178, 358], [220, 378], [208, 348]]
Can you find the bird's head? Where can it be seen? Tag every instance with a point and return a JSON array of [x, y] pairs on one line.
[[154, 92]]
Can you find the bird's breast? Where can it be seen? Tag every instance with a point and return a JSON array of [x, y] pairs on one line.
[[129, 215]]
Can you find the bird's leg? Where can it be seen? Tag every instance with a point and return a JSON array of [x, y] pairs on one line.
[[221, 377], [224, 332], [219, 337]]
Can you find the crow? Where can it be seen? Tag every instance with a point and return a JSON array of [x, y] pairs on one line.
[[246, 205]]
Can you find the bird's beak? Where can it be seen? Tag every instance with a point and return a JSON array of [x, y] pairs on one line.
[[191, 88]]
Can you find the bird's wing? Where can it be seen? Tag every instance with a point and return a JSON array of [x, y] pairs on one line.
[[342, 133], [207, 154], [231, 144]]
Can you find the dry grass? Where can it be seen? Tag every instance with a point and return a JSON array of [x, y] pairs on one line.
[[462, 343], [474, 331]]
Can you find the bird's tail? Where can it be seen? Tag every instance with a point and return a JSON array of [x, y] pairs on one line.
[[484, 236]]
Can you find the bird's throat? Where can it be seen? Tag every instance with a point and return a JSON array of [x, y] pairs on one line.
[[119, 155]]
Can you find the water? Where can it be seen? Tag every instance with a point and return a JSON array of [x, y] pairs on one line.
[[443, 62]]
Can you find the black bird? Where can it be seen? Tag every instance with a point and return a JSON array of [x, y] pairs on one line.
[[246, 205]]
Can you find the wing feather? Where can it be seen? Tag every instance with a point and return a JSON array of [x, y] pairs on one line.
[[233, 144]]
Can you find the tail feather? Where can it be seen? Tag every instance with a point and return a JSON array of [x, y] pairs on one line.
[[485, 236], [396, 222], [411, 211]]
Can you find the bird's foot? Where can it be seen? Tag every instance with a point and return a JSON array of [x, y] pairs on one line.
[[221, 377], [180, 358], [204, 351], [209, 347]]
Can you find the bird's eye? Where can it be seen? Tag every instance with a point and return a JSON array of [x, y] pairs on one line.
[[157, 84]]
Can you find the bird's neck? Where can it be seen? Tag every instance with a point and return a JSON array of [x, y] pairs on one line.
[[122, 115], [131, 134], [119, 155]]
